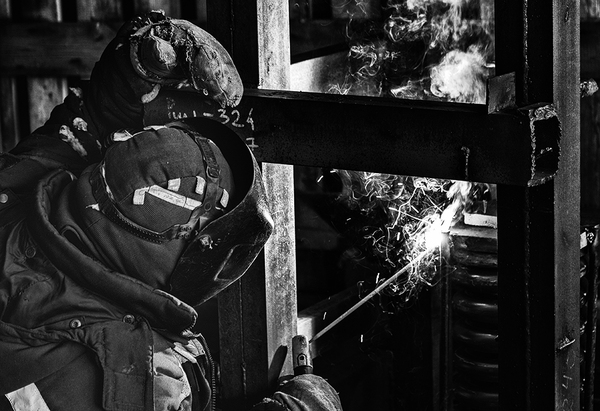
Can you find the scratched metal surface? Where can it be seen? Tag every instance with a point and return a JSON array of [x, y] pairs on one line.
[[538, 227], [442, 140], [259, 312]]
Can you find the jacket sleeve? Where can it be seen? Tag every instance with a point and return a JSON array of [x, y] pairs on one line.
[[65, 141], [72, 138], [148, 52]]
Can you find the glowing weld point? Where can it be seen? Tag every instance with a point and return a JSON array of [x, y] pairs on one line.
[[433, 236]]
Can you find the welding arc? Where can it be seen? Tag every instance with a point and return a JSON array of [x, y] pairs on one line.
[[377, 290]]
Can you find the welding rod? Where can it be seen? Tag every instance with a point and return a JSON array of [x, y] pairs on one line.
[[370, 295]]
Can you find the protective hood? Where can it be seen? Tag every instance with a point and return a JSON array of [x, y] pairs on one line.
[[221, 252], [180, 208]]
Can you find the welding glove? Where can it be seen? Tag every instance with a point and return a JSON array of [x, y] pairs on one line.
[[152, 51], [306, 392]]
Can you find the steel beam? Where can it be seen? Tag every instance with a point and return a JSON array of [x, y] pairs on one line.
[[431, 139]]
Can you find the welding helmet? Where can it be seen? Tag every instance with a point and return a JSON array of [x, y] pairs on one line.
[[190, 194]]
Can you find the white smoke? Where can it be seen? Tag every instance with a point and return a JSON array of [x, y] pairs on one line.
[[460, 77]]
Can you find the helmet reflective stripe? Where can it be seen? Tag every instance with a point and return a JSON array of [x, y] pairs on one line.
[[179, 200], [210, 187], [200, 185], [165, 195], [224, 199], [174, 184], [139, 195], [27, 398]]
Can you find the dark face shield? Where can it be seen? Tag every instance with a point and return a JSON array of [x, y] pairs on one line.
[[193, 248], [222, 251]]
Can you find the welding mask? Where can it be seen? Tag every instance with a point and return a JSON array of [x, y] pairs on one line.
[[189, 194]]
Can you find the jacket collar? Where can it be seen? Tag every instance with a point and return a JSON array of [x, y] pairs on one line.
[[161, 309]]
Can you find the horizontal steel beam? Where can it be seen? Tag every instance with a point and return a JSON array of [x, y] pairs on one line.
[[420, 138]]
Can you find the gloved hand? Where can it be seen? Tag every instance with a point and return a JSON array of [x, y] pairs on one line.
[[152, 51], [306, 392], [170, 51]]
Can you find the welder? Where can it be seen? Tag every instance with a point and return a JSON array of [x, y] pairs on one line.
[[112, 232]]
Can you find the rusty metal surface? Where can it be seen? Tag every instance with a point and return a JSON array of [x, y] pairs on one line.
[[260, 310], [539, 227], [454, 141], [566, 201]]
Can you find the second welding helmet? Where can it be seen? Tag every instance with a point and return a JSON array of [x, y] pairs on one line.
[[190, 194]]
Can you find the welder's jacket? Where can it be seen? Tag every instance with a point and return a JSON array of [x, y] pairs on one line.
[[72, 331], [74, 334]]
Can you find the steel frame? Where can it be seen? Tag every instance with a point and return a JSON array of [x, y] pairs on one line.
[[538, 231]]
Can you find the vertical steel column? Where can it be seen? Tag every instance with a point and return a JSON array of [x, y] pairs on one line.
[[566, 25], [538, 227], [258, 315]]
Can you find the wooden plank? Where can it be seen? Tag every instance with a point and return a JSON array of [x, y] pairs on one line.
[[72, 48], [257, 35], [9, 126], [100, 10], [46, 48], [41, 10], [45, 93], [9, 130]]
